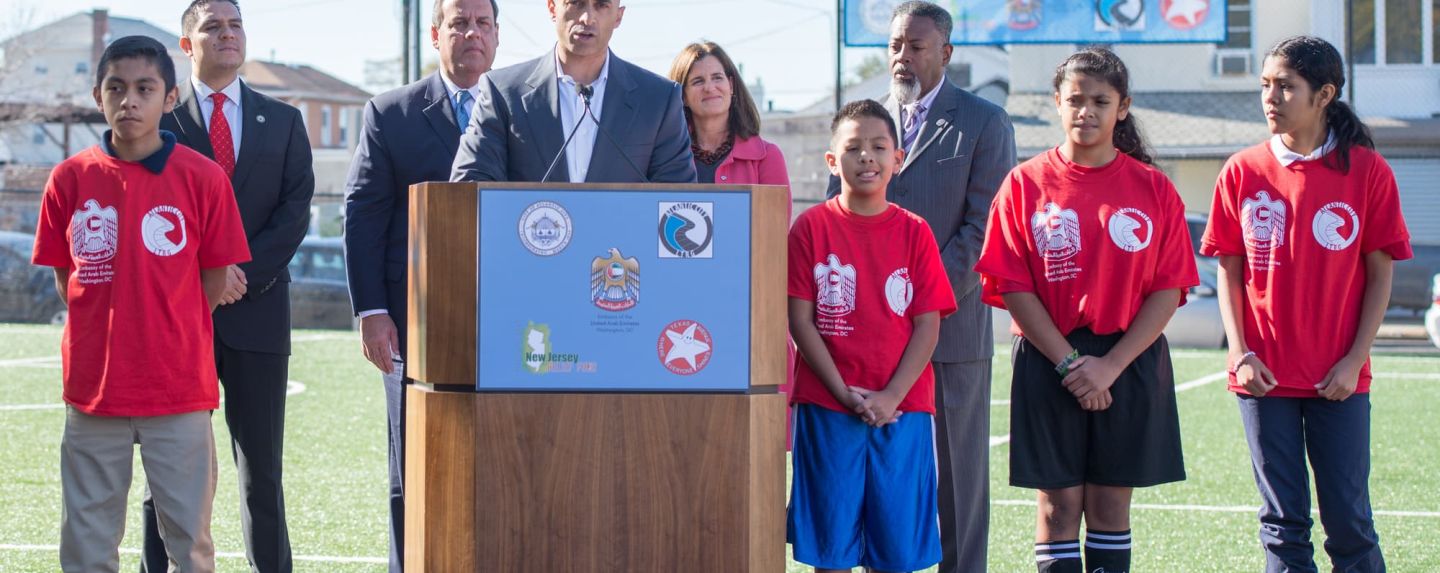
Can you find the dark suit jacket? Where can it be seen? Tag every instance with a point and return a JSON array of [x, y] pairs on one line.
[[409, 136], [964, 150], [516, 132], [274, 181]]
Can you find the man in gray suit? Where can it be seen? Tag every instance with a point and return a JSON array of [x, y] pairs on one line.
[[634, 130], [958, 149], [409, 136]]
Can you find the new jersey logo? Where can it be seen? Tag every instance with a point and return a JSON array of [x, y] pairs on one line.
[[1057, 232], [835, 283], [1262, 220], [94, 233], [1131, 229], [899, 291], [1331, 226], [163, 231]]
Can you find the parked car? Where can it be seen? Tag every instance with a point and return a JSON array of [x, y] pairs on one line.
[[1409, 287], [27, 292], [1432, 316], [319, 297], [1195, 325]]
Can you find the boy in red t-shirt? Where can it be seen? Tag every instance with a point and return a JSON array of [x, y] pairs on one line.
[[139, 231], [867, 292]]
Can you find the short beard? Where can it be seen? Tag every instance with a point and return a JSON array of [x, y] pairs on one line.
[[905, 92]]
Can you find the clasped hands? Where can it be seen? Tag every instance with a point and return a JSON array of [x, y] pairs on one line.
[[1090, 379], [875, 407]]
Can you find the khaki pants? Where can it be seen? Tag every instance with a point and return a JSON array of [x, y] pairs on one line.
[[96, 457]]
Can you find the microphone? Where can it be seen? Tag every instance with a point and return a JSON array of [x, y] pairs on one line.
[[587, 91]]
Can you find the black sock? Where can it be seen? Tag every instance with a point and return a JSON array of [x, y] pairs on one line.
[[1058, 557], [1107, 551]]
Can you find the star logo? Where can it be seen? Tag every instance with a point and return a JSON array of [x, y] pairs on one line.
[[684, 347], [1184, 14]]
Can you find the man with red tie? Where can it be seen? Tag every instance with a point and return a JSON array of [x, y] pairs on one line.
[[262, 145]]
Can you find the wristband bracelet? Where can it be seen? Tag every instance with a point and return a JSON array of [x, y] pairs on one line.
[[1236, 367], [1063, 368]]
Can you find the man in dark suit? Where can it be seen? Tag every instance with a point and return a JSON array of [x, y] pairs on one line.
[[409, 135], [527, 111], [958, 149], [261, 144]]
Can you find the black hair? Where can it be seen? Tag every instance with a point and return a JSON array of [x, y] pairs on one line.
[[141, 48], [855, 110], [191, 16], [936, 14], [1099, 62], [1320, 63], [439, 13]]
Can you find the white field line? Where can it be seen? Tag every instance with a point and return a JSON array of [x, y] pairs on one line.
[[291, 388], [36, 361], [320, 337], [1196, 383], [220, 554], [1220, 508]]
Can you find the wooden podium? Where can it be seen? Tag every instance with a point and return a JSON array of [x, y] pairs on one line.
[[584, 482]]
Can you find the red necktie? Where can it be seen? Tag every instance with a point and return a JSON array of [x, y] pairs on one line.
[[220, 139]]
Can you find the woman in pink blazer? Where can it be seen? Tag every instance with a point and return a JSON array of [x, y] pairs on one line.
[[725, 132], [724, 122]]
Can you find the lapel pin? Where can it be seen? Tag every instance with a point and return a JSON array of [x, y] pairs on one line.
[[940, 122], [260, 119]]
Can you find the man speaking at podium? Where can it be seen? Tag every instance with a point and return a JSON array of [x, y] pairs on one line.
[[577, 114]]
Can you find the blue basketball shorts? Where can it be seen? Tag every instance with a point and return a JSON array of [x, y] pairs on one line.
[[863, 496]]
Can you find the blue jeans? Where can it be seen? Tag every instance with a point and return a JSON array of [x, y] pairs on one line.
[[1336, 437]]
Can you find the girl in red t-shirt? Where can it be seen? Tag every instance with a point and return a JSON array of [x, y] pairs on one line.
[[1306, 226], [1087, 248]]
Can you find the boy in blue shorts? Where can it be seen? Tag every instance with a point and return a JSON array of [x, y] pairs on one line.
[[867, 292]]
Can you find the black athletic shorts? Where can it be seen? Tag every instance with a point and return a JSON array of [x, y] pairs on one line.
[[1055, 444]]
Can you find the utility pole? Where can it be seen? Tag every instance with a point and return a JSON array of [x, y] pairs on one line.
[[405, 40], [839, 54]]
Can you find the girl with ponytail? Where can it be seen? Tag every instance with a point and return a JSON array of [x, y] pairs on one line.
[[1306, 226], [1088, 249]]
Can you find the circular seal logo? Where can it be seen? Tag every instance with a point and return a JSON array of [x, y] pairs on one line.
[[545, 228], [1330, 226], [158, 228], [686, 230], [684, 347], [1184, 14], [1127, 226], [899, 291]]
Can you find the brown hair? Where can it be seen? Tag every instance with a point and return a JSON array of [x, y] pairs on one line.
[[1100, 63], [744, 117]]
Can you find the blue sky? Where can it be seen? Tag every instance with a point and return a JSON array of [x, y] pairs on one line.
[[788, 44]]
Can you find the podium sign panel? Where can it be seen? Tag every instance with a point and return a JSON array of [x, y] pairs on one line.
[[617, 290]]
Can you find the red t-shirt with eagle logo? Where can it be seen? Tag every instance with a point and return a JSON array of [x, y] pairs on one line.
[[1091, 242], [138, 335], [1304, 230], [869, 277]]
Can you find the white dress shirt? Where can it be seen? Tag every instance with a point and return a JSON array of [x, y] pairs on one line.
[[1286, 157], [577, 154], [232, 108]]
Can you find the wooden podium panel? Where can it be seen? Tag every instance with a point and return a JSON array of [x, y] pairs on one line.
[[594, 482]]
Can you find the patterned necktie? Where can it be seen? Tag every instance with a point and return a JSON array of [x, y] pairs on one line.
[[220, 138], [912, 123], [462, 109]]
